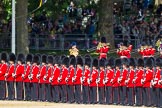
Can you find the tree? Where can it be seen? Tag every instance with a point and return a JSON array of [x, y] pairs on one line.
[[22, 27], [105, 26]]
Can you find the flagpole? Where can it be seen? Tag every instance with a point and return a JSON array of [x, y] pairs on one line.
[[13, 28]]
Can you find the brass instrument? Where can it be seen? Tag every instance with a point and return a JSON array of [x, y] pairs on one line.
[[100, 45]]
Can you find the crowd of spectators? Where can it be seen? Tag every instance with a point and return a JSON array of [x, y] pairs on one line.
[[139, 23]]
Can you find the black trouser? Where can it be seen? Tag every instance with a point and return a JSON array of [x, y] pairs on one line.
[[123, 95], [93, 95], [160, 100], [34, 91], [130, 91], [49, 93], [155, 96], [101, 92], [109, 95], [55, 93], [71, 93], [78, 94], [116, 96], [27, 91], [2, 90], [19, 90], [63, 92], [42, 92], [139, 96], [11, 90], [146, 96], [85, 94]]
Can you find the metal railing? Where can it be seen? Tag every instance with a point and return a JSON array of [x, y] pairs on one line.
[[63, 41]]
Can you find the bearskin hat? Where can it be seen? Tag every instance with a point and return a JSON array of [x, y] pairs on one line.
[[149, 63], [50, 59], [103, 40], [62, 57], [118, 62], [158, 62], [88, 61], [79, 60], [65, 61], [132, 62], [57, 60], [29, 57], [21, 57], [125, 61], [12, 57], [87, 56], [36, 59], [95, 62], [102, 62], [110, 62], [44, 58], [71, 56], [72, 61], [4, 56], [140, 62]]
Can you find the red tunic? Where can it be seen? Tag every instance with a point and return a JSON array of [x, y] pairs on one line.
[[55, 76], [78, 76], [71, 75], [148, 76], [34, 72], [115, 79], [93, 77], [123, 77], [103, 51], [157, 78], [27, 72], [19, 70], [86, 76], [101, 77], [42, 73], [131, 74], [64, 75], [139, 76], [109, 77], [3, 69]]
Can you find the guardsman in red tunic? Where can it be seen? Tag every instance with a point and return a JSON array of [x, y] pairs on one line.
[[102, 48], [85, 76], [92, 82], [108, 77], [146, 81], [77, 81], [62, 79], [129, 82], [121, 81], [53, 80], [114, 81], [40, 76], [151, 51], [9, 78], [155, 85], [17, 75], [99, 81], [137, 81], [70, 84], [3, 71], [124, 51], [33, 78], [48, 74], [25, 75]]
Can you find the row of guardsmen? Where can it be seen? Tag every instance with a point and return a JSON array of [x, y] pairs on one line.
[[79, 79]]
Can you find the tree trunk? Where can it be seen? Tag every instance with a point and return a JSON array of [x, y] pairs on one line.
[[22, 27], [105, 27]]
